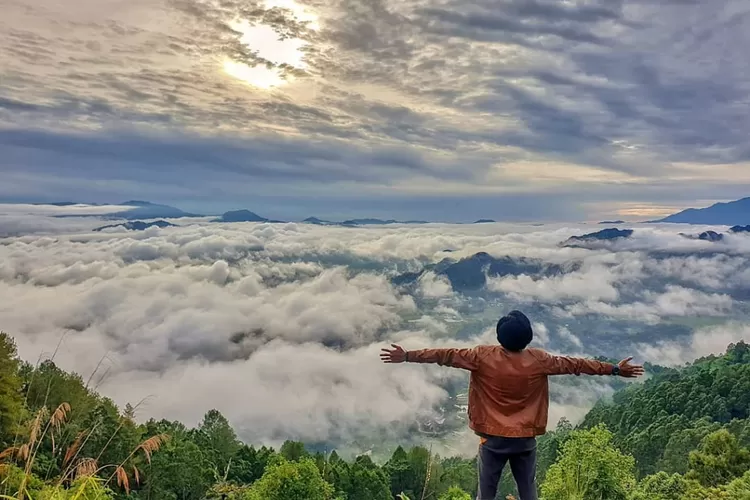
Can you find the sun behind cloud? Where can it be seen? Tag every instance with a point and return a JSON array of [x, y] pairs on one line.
[[266, 42]]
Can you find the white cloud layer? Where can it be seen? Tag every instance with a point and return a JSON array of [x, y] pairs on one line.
[[278, 325]]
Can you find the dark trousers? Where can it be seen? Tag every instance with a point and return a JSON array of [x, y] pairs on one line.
[[494, 453]]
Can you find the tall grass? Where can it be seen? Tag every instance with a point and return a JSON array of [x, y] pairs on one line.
[[81, 477]]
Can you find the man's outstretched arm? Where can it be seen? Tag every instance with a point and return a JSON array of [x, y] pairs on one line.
[[468, 359], [564, 365]]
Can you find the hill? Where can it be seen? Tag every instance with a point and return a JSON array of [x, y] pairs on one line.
[[240, 216], [683, 434], [140, 210], [608, 234], [137, 225], [148, 210], [724, 214], [661, 421], [471, 273]]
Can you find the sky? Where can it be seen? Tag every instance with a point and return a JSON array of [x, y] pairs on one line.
[[412, 109], [279, 326]]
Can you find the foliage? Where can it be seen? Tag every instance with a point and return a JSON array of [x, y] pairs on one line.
[[648, 420], [590, 468], [455, 493], [11, 399], [718, 460], [685, 432], [291, 481]]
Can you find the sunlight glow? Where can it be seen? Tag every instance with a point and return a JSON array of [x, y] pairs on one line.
[[259, 76], [264, 40]]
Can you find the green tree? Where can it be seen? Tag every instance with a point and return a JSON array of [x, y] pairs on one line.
[[179, 471], [739, 489], [549, 446], [367, 481], [403, 477], [11, 399], [590, 468], [248, 464], [662, 486], [461, 473], [718, 460], [455, 493], [681, 443], [293, 451], [217, 441], [291, 481]]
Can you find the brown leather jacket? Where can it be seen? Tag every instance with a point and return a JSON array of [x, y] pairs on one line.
[[509, 391]]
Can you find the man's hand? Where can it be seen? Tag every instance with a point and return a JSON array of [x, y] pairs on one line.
[[395, 355], [629, 371]]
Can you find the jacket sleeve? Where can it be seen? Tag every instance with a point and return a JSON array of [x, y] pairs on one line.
[[564, 365], [468, 359]]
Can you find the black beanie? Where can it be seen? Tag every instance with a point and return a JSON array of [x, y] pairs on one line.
[[514, 331]]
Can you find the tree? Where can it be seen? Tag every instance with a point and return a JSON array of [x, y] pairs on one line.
[[11, 399], [461, 473], [293, 451], [590, 468], [217, 440], [367, 481], [291, 481], [179, 471], [739, 489], [549, 446], [403, 477], [662, 486], [455, 493], [248, 464], [718, 460], [681, 443]]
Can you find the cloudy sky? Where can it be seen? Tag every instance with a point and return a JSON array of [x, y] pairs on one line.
[[437, 109]]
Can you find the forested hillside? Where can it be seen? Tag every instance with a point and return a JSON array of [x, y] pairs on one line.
[[680, 435]]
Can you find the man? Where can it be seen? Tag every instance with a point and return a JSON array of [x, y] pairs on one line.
[[509, 396]]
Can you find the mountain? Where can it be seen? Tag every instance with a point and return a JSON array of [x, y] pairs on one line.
[[240, 216], [140, 210], [714, 236], [367, 222], [148, 210], [705, 236], [315, 220], [378, 222], [612, 222], [710, 236], [484, 221], [603, 235], [725, 214], [64, 204], [471, 273], [138, 225]]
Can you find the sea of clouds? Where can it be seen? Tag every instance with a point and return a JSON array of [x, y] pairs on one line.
[[279, 325]]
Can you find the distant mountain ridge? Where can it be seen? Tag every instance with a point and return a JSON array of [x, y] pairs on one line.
[[149, 210], [138, 225], [240, 216], [721, 214], [608, 234], [141, 210], [470, 273]]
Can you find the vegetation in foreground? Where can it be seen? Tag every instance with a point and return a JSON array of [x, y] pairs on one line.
[[682, 435]]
